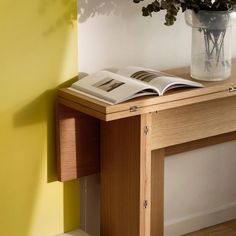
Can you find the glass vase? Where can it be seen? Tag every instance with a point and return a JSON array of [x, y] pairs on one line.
[[211, 44]]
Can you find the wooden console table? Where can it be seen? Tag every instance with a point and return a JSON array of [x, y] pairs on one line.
[[127, 144]]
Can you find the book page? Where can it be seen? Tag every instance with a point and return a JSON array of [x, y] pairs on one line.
[[111, 87], [158, 79]]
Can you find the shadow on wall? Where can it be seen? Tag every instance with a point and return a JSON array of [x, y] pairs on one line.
[[91, 8], [68, 16], [35, 36], [40, 110]]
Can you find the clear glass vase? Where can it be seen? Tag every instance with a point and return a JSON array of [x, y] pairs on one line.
[[211, 44]]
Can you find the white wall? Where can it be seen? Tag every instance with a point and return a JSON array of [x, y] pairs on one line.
[[119, 36], [199, 185], [200, 188]]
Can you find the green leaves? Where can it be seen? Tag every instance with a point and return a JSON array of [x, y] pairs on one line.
[[153, 7], [172, 7]]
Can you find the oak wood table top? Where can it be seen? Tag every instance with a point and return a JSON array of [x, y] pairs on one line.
[[141, 105]]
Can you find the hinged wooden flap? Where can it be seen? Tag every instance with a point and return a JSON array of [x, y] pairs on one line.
[[141, 105]]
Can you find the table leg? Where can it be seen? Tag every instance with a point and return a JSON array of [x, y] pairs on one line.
[[157, 193], [126, 176]]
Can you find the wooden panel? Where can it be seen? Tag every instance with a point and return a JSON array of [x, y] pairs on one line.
[[172, 99], [81, 108], [200, 143], [125, 177], [157, 193], [189, 123], [74, 96], [145, 175], [78, 144]]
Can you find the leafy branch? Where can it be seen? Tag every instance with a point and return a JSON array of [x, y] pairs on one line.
[[172, 7]]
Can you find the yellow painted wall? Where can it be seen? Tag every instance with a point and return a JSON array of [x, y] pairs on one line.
[[38, 52]]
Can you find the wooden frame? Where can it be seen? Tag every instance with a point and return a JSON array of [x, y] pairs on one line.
[[128, 146]]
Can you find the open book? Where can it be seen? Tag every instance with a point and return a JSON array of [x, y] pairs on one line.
[[127, 83]]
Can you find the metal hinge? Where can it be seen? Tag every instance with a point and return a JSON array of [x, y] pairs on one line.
[[145, 204], [133, 108], [232, 89], [146, 130]]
